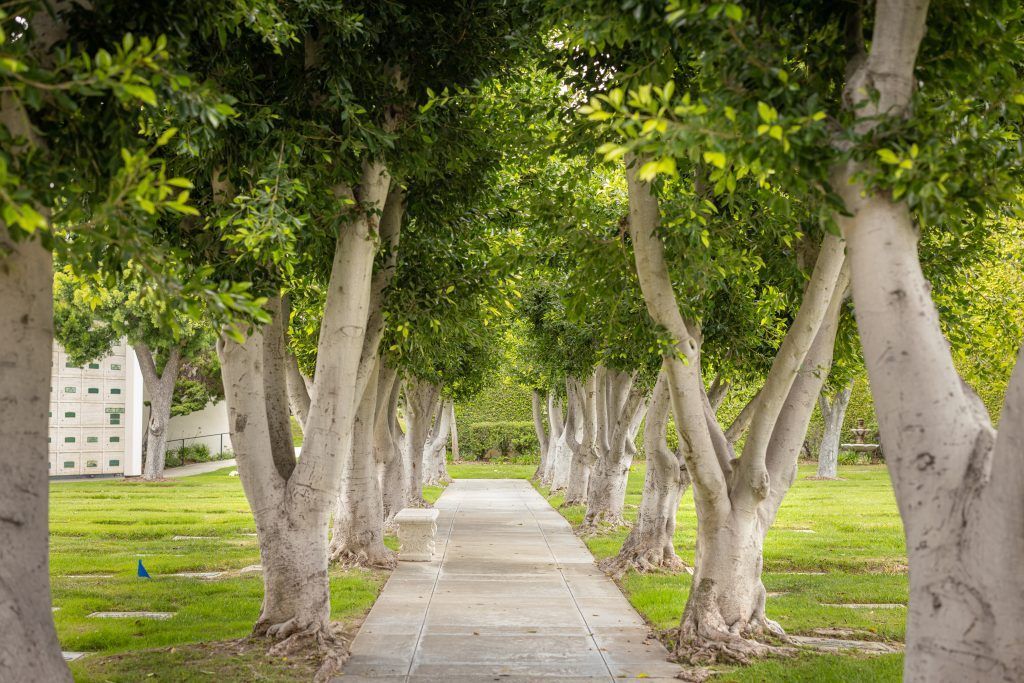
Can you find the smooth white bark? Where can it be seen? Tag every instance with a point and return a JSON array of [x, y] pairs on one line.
[[456, 455], [650, 544], [292, 502], [833, 412], [735, 505], [435, 469], [616, 412], [581, 448], [421, 400], [556, 426], [29, 650], [160, 387], [958, 484], [389, 451], [358, 532], [543, 435]]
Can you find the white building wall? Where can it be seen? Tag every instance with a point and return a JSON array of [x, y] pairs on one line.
[[207, 426], [94, 414]]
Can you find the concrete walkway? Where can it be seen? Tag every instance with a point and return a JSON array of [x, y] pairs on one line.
[[511, 595], [197, 468]]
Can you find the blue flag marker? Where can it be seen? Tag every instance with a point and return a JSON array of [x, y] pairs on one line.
[[143, 574]]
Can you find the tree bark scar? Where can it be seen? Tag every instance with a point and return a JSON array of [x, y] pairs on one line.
[[925, 461], [240, 422]]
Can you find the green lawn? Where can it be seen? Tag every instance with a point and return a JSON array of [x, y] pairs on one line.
[[104, 528], [99, 530], [857, 539]]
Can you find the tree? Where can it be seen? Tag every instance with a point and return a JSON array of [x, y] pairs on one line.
[[832, 412], [865, 136], [362, 116], [958, 481], [80, 178], [650, 544], [89, 319]]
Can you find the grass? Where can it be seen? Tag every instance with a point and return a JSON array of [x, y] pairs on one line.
[[857, 540], [105, 527]]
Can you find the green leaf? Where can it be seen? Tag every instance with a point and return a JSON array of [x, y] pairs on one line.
[[716, 159], [141, 92], [888, 156], [767, 112], [165, 138], [734, 12]]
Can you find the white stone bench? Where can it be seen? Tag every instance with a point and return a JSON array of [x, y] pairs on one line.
[[416, 530]]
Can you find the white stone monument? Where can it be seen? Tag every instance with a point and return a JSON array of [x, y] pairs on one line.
[[416, 530]]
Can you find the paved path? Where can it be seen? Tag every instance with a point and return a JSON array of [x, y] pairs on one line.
[[512, 595], [197, 468]]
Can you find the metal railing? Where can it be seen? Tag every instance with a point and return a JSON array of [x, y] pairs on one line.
[[207, 439]]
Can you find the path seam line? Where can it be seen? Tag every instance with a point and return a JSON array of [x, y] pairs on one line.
[[437, 577], [558, 566]]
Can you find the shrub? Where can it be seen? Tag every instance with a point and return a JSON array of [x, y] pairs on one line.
[[483, 440], [504, 402], [190, 453]]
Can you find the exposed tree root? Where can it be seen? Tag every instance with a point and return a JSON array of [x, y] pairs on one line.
[[419, 502], [348, 558], [297, 637], [642, 560], [705, 637], [727, 645], [601, 524]]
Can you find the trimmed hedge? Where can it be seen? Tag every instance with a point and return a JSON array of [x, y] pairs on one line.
[[506, 401], [487, 440]]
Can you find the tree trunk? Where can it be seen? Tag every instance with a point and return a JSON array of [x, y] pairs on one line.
[[435, 459], [298, 391], [456, 455], [298, 385], [717, 392], [160, 386], [420, 401], [832, 413], [358, 534], [542, 435], [735, 503], [634, 429], [292, 532], [29, 649], [619, 401], [650, 545], [555, 428], [581, 450], [291, 501], [958, 484], [394, 478]]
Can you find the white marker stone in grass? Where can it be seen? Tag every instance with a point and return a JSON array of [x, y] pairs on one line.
[[89, 576], [251, 568], [72, 656], [160, 616], [873, 647], [866, 605], [193, 538], [206, 576]]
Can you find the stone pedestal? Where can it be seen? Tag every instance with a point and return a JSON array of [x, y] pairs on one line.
[[416, 530]]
